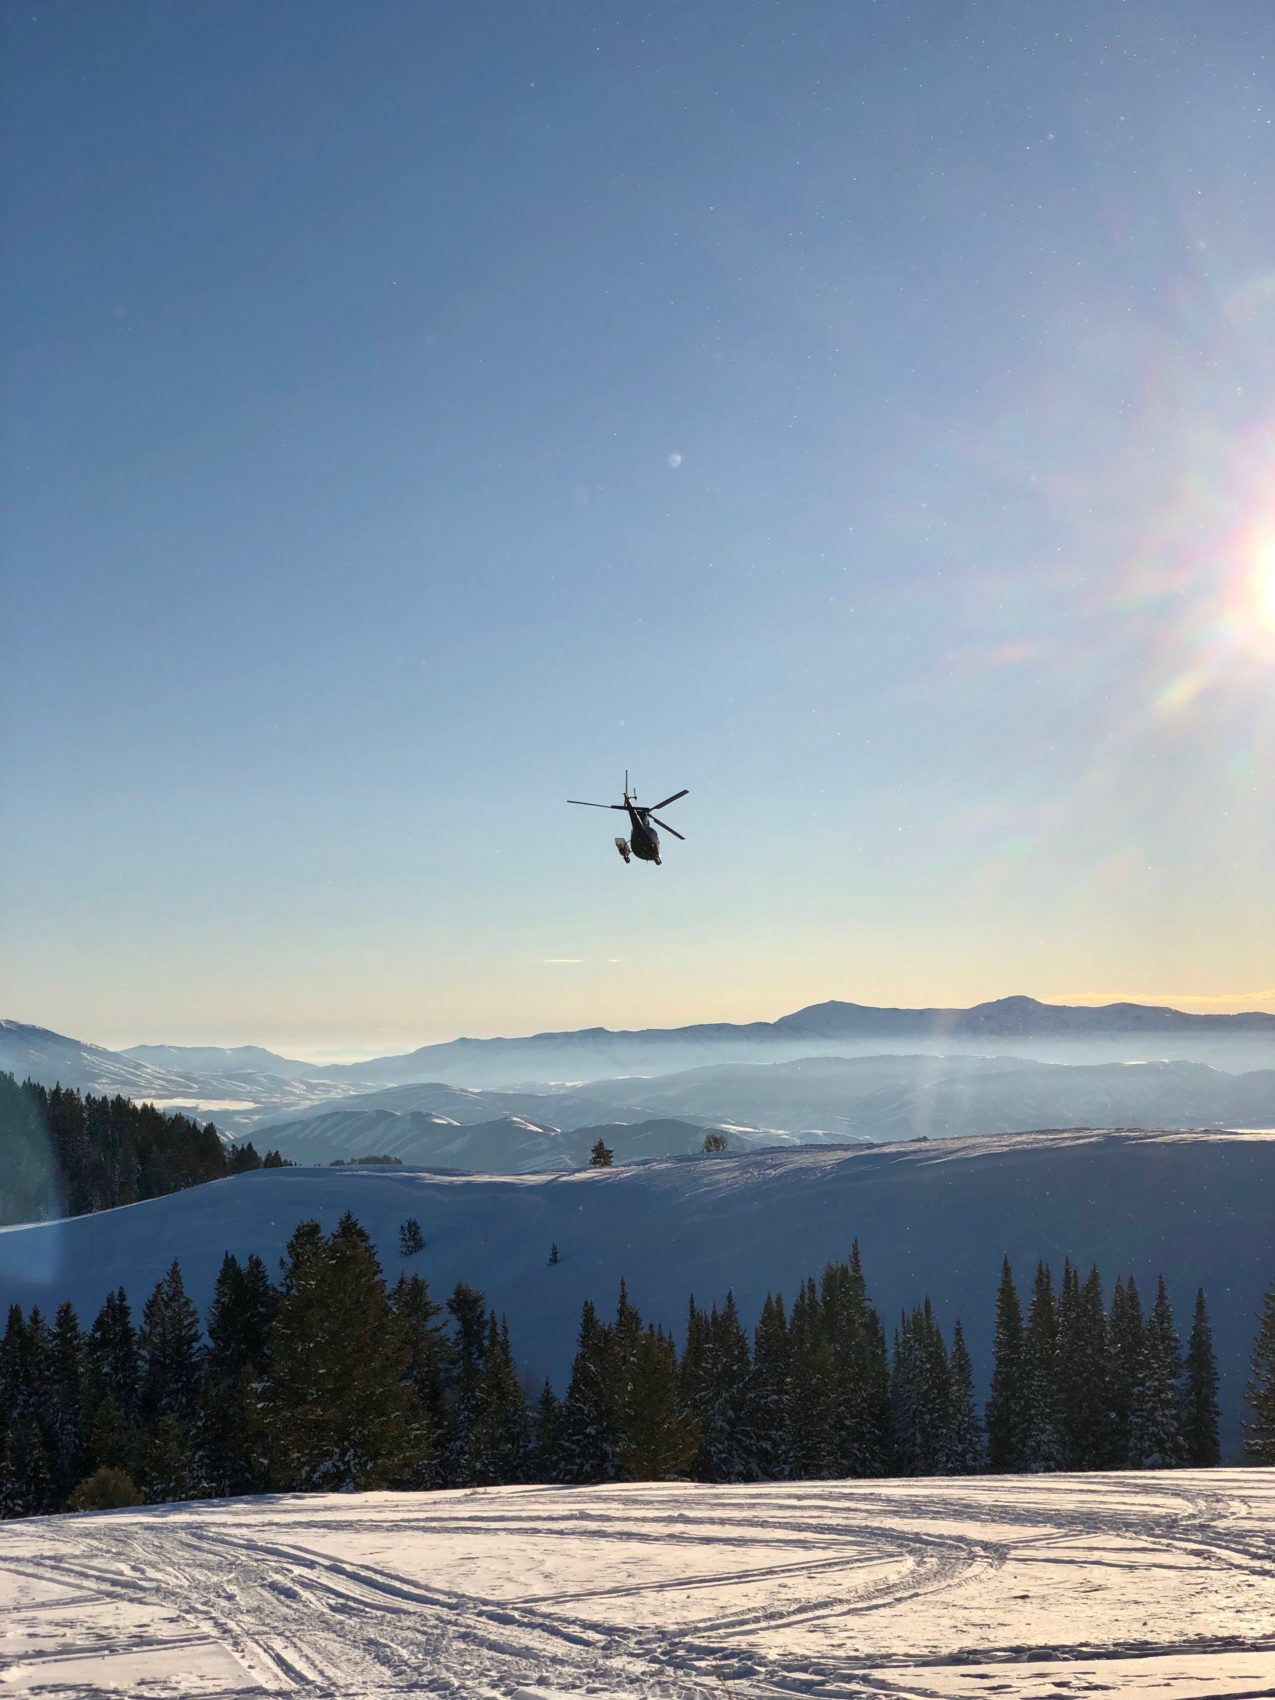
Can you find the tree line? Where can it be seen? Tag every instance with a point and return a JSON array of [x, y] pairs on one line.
[[68, 1154], [330, 1379]]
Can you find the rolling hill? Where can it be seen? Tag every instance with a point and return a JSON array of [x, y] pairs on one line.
[[508, 1145]]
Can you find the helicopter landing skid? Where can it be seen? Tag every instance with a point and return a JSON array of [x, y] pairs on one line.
[[622, 845]]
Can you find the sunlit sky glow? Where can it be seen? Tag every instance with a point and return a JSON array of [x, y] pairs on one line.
[[416, 415]]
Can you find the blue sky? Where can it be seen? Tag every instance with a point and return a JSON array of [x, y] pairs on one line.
[[414, 415]]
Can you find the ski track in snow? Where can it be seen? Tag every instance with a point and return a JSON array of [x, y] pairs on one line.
[[1038, 1587]]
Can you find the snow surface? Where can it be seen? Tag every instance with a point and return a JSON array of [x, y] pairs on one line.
[[931, 1218], [1132, 1585]]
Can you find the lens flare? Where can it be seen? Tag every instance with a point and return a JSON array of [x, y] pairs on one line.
[[1264, 582]]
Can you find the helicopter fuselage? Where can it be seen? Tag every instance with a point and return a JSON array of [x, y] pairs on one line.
[[644, 841]]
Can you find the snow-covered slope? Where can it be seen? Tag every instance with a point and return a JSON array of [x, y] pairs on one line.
[[237, 1097], [509, 1145], [1152, 1585], [34, 1053], [931, 1218]]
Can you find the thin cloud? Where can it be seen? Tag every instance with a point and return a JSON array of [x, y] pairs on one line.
[[563, 961]]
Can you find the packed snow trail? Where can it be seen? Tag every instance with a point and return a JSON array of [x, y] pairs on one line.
[[1154, 1584]]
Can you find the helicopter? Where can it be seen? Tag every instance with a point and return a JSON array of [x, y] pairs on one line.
[[643, 840]]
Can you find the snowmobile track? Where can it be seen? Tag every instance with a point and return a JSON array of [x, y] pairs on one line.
[[842, 1590]]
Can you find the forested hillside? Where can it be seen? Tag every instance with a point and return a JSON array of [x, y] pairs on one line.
[[67, 1154], [335, 1380]]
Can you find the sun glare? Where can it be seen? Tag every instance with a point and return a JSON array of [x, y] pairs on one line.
[[1264, 582]]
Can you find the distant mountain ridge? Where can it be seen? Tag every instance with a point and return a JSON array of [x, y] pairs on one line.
[[246, 1086], [219, 1059], [590, 1053], [36, 1053], [1006, 1017]]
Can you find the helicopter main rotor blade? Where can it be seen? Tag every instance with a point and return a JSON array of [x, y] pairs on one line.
[[583, 805], [665, 827], [672, 799]]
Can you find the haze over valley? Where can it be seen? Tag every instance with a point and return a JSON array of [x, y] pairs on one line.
[[831, 1072]]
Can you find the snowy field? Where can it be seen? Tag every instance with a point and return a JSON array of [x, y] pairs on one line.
[[1152, 1585]]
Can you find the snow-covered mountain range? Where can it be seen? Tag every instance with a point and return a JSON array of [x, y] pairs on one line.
[[1020, 1026], [317, 1114], [931, 1218]]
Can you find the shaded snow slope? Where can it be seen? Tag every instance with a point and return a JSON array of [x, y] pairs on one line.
[[931, 1218], [1134, 1585]]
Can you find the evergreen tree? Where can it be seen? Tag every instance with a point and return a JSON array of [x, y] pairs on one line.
[[860, 1437], [26, 1478], [812, 1390], [12, 1380], [1042, 1444], [964, 1441], [589, 1444], [1085, 1392], [905, 1396], [500, 1440], [935, 1412], [659, 1439], [1124, 1331], [36, 1406], [113, 1382], [236, 1443], [463, 1369], [1006, 1419], [411, 1241], [1155, 1418], [169, 1353], [342, 1415], [601, 1155], [27, 1486], [68, 1437], [1259, 1429], [553, 1254], [920, 1395], [768, 1394], [548, 1423], [714, 1391], [1200, 1412], [429, 1362]]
